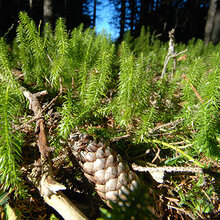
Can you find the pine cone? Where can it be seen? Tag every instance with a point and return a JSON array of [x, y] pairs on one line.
[[104, 168]]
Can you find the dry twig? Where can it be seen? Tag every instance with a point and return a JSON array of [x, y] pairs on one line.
[[39, 115], [171, 54], [171, 125], [158, 172], [47, 186]]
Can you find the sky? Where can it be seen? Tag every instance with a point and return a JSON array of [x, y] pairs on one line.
[[105, 14]]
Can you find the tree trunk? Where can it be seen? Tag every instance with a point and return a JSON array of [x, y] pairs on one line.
[[210, 21], [30, 4], [132, 7], [216, 28], [48, 12], [144, 10], [94, 13], [122, 18]]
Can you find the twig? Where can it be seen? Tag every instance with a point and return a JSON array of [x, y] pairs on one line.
[[60, 158], [158, 173], [170, 124], [48, 187], [51, 102], [35, 106], [172, 199], [36, 117], [157, 155], [54, 99], [28, 122], [193, 88], [171, 54], [182, 210], [207, 195], [65, 207], [115, 139], [177, 54], [168, 169]]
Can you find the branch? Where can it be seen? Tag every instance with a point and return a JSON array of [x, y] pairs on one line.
[[168, 169], [210, 21], [158, 172], [171, 54], [35, 106], [116, 139], [49, 188], [36, 117], [171, 124], [65, 207]]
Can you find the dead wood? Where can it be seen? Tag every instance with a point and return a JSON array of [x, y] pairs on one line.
[[49, 188]]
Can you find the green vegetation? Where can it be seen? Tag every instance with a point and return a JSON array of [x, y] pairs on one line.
[[110, 90]]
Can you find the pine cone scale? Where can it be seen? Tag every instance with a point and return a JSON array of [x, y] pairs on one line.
[[88, 167], [99, 164], [104, 168]]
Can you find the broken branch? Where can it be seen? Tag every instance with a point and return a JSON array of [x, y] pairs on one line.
[[171, 54], [47, 186]]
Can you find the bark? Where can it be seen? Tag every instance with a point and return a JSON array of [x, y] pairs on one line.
[[210, 21], [30, 4], [144, 10], [94, 12], [216, 28], [36, 108], [132, 6], [64, 207], [122, 18], [42, 175], [48, 12]]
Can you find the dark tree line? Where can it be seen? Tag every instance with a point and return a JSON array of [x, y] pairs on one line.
[[187, 17], [74, 11], [198, 18]]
